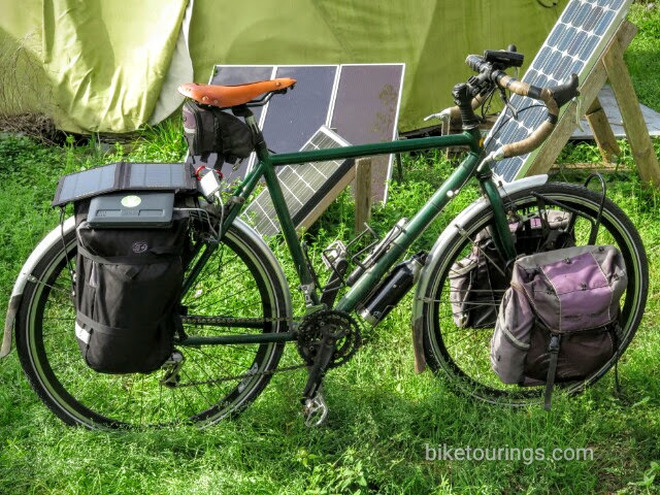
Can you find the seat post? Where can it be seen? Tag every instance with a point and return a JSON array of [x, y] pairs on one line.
[[259, 142]]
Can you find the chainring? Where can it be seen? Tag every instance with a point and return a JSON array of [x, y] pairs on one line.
[[337, 324]]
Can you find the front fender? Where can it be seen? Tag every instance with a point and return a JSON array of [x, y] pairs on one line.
[[473, 211]]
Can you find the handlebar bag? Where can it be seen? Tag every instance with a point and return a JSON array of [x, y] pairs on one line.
[[558, 321], [209, 129], [127, 288], [478, 281]]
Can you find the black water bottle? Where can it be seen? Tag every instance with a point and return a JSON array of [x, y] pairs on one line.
[[392, 289]]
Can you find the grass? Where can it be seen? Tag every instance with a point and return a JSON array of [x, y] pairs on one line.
[[384, 418], [384, 421], [643, 55]]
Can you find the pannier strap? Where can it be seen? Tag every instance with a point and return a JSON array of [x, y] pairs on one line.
[[553, 349], [83, 319], [140, 259], [231, 96]]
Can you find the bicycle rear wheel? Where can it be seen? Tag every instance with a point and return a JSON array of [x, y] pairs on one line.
[[240, 280], [463, 354]]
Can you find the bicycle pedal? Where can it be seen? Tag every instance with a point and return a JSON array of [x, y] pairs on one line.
[[315, 411], [172, 367]]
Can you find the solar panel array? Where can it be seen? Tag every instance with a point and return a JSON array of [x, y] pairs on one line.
[[304, 186], [572, 47], [359, 101]]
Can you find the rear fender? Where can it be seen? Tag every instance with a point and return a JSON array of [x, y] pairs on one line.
[[48, 242]]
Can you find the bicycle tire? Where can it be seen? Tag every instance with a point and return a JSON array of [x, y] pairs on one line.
[[215, 382], [466, 360]]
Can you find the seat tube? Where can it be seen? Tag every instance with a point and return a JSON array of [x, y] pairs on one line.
[[288, 228]]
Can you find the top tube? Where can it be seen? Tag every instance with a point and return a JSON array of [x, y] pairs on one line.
[[467, 138]]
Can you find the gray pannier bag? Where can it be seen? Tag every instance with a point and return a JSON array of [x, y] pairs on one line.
[[478, 281], [558, 321]]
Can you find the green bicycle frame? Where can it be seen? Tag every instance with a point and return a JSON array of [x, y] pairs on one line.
[[411, 232]]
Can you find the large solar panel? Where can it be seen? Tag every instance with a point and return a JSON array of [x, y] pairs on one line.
[[366, 111], [304, 186], [573, 46], [359, 101], [292, 118]]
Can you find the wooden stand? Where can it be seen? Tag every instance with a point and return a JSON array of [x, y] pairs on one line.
[[612, 67], [362, 193]]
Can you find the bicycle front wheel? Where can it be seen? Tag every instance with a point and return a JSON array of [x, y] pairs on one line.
[[239, 283], [463, 353]]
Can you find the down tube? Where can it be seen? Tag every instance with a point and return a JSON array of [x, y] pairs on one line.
[[413, 229]]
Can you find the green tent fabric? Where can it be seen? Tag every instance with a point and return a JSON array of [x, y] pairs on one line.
[[111, 65], [107, 62], [94, 65]]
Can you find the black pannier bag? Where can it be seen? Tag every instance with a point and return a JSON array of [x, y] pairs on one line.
[[559, 320], [209, 129], [477, 282], [127, 289]]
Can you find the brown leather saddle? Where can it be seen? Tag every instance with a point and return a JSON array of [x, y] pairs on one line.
[[231, 96]]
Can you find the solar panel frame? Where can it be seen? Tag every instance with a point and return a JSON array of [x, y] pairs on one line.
[[574, 45]]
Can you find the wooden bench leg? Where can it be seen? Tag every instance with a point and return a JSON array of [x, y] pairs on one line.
[[603, 134], [362, 193], [633, 120]]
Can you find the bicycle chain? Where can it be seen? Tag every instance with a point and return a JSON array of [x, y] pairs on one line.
[[243, 376], [226, 320], [217, 320], [223, 320]]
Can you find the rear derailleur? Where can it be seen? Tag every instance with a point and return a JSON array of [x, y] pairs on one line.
[[326, 339]]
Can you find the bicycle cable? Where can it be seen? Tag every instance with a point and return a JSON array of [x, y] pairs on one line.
[[243, 376], [507, 119]]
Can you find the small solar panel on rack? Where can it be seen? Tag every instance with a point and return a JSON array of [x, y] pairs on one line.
[[124, 176], [304, 186], [573, 46]]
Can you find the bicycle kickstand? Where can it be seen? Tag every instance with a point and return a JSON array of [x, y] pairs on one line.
[[315, 408]]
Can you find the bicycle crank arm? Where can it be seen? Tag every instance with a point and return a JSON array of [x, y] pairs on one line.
[[313, 402]]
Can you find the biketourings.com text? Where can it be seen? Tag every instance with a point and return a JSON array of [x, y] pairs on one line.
[[528, 455]]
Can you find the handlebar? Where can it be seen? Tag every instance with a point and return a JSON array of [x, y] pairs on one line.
[[490, 71]]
